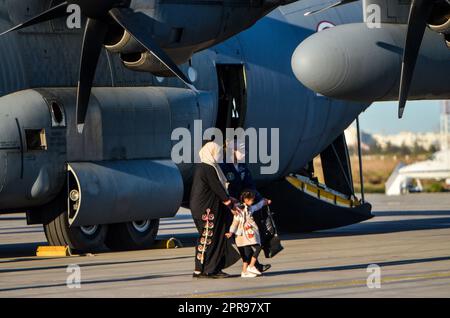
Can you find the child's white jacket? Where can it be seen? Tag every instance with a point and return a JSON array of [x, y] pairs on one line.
[[244, 226]]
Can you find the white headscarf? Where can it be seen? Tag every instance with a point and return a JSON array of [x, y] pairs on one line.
[[212, 154]]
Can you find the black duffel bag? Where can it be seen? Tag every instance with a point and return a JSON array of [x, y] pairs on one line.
[[270, 241], [273, 245]]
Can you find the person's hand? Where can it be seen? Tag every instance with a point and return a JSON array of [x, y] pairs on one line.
[[228, 235], [228, 202], [267, 201]]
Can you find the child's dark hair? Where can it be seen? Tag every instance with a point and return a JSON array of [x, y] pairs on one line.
[[248, 194]]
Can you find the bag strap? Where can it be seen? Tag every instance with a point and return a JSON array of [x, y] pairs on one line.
[[269, 213]]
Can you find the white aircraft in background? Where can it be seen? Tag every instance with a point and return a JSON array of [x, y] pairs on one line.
[[437, 168]]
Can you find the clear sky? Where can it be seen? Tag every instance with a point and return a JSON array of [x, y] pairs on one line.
[[419, 116]]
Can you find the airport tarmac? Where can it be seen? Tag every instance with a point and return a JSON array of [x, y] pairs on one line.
[[409, 239]]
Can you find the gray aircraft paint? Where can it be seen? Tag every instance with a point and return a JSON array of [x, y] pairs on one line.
[[353, 62], [308, 123], [275, 98], [116, 186], [47, 55]]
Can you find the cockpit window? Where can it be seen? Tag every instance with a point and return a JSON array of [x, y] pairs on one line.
[[36, 139]]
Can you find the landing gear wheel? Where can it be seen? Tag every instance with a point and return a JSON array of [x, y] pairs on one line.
[[80, 239], [132, 235]]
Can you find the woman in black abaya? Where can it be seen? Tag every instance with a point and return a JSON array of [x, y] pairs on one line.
[[211, 210]]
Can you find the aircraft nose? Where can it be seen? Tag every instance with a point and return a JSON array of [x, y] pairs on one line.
[[320, 65]]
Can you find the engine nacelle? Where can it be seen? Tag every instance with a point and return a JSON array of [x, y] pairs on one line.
[[120, 41], [440, 19], [181, 29], [441, 24], [147, 62], [123, 191], [353, 62], [443, 27], [127, 139]]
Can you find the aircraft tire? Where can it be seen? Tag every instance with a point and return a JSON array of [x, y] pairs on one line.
[[132, 235], [79, 239]]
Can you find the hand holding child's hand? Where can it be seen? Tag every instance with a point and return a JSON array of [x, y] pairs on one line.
[[228, 235]]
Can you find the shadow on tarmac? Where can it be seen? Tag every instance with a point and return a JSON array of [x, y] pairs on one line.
[[91, 282], [358, 266], [93, 264], [383, 227], [365, 228]]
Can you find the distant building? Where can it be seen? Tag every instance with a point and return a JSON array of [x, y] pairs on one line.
[[428, 140], [367, 141], [409, 139], [403, 139]]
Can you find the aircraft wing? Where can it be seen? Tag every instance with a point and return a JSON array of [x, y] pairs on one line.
[[391, 11], [417, 15]]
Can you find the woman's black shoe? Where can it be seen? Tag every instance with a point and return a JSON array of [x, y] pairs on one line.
[[263, 268], [221, 275], [212, 276]]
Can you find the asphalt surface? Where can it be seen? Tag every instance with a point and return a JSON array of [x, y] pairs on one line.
[[409, 239]]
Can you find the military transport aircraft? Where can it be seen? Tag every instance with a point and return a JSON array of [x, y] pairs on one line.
[[103, 174]]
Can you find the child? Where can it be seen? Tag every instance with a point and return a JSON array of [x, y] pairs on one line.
[[247, 234]]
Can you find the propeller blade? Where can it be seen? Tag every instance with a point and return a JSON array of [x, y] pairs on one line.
[[417, 23], [58, 11], [94, 36], [334, 5], [129, 21]]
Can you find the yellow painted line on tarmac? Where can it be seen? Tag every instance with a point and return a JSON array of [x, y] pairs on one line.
[[310, 286]]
